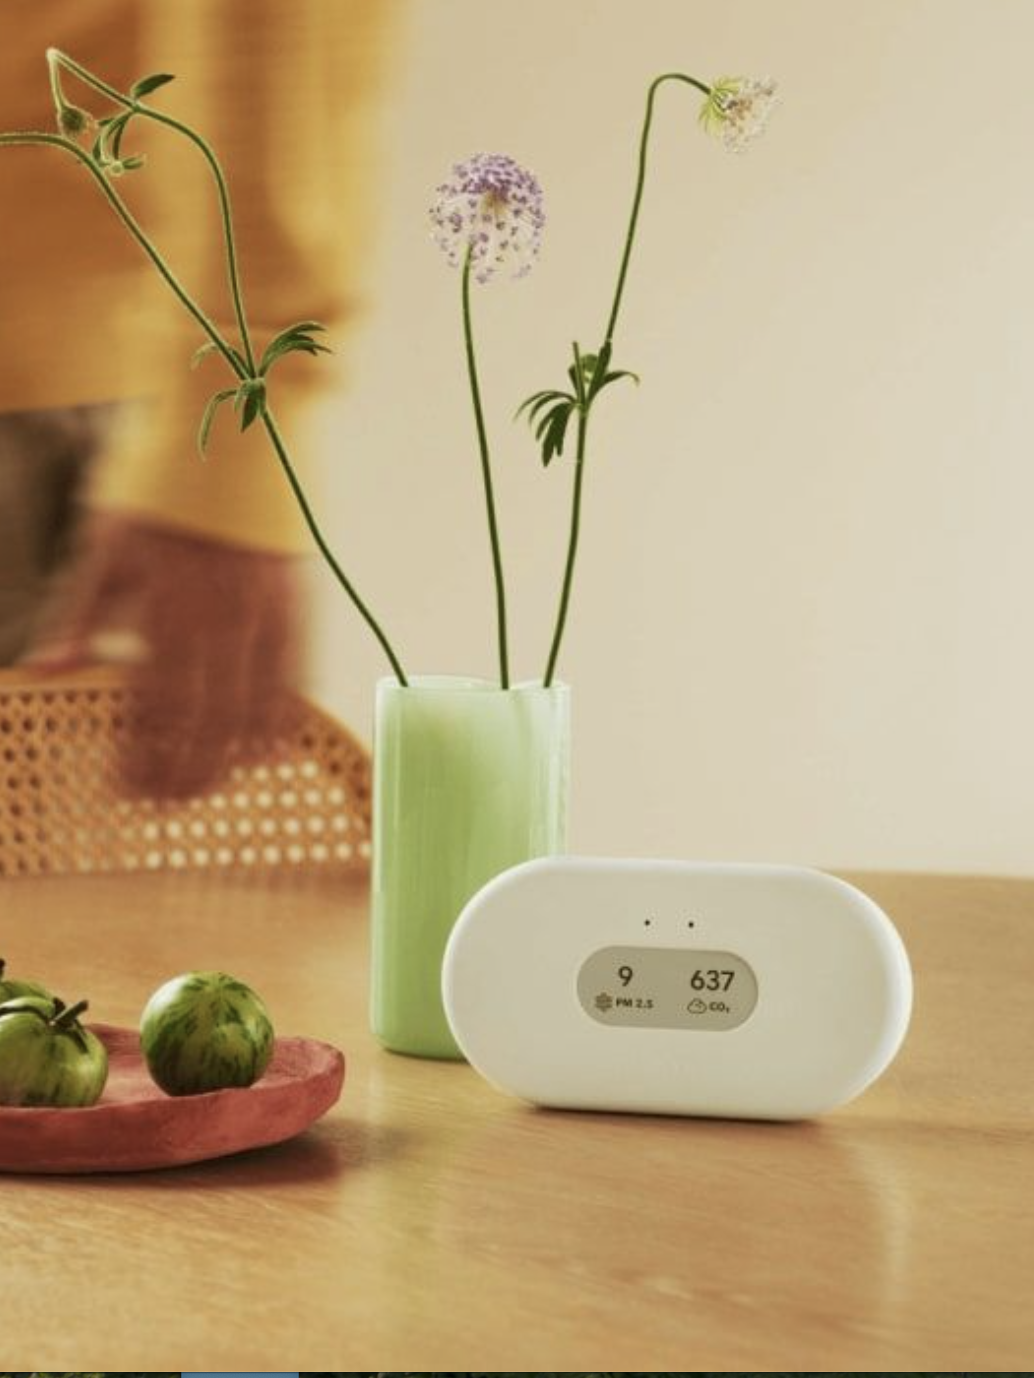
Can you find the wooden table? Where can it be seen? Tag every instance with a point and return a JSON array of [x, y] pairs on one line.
[[430, 1221]]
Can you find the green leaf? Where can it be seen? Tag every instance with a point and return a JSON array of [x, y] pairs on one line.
[[295, 337], [596, 368], [209, 347], [306, 343], [108, 143], [576, 373], [562, 397], [613, 378], [250, 401], [550, 417], [146, 85], [100, 143], [307, 326], [114, 132], [544, 399], [297, 344], [209, 416], [553, 442], [536, 399], [252, 408]]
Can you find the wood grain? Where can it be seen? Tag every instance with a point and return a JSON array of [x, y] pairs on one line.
[[431, 1223]]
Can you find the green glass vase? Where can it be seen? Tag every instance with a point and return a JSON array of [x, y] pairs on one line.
[[468, 780]]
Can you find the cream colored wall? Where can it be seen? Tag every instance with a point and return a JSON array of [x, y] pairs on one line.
[[800, 628]]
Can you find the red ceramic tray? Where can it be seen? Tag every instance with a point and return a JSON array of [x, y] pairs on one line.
[[136, 1125]]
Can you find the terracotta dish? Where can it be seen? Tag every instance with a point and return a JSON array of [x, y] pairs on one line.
[[135, 1125]]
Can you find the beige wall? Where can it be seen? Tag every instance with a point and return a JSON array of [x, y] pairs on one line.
[[800, 628]]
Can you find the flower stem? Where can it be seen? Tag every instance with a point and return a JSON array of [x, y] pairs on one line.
[[228, 353], [640, 180], [56, 58], [584, 408], [572, 545], [486, 470], [55, 84], [32, 136], [324, 548]]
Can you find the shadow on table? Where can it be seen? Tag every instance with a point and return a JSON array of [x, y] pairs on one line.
[[324, 1152]]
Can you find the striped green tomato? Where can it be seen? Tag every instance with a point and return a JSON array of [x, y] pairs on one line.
[[10, 989], [205, 1030], [46, 1056]]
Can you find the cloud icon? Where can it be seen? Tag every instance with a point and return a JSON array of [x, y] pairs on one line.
[[697, 1007]]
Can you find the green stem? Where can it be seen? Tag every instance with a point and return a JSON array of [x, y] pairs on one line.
[[572, 545], [121, 210], [55, 84], [32, 136], [57, 58], [324, 548], [486, 470], [640, 180], [584, 409]]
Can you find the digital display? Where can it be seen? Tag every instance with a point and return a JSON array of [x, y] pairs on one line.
[[667, 988]]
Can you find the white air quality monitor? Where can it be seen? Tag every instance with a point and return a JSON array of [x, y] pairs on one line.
[[670, 987]]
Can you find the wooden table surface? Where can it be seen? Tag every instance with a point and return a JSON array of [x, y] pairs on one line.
[[430, 1221]]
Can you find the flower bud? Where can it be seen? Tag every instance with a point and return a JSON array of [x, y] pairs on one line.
[[74, 121], [115, 167]]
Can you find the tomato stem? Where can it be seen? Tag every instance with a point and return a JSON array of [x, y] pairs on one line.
[[66, 1018]]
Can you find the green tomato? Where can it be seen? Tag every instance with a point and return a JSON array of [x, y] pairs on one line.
[[46, 1056], [11, 989], [205, 1030]]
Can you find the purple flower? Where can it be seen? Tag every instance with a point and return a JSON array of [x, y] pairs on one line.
[[493, 207]]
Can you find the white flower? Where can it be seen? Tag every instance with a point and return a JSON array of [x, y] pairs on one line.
[[738, 109]]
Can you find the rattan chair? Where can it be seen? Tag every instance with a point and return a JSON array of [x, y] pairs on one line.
[[304, 802]]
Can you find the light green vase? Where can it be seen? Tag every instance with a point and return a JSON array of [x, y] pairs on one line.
[[468, 780]]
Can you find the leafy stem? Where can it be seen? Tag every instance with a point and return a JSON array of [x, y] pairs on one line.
[[589, 375], [250, 393], [572, 545], [32, 136], [550, 411], [57, 60], [486, 471]]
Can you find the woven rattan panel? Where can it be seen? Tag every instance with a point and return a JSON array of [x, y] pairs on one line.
[[305, 802]]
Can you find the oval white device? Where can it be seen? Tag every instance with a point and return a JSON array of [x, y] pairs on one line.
[[670, 987]]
